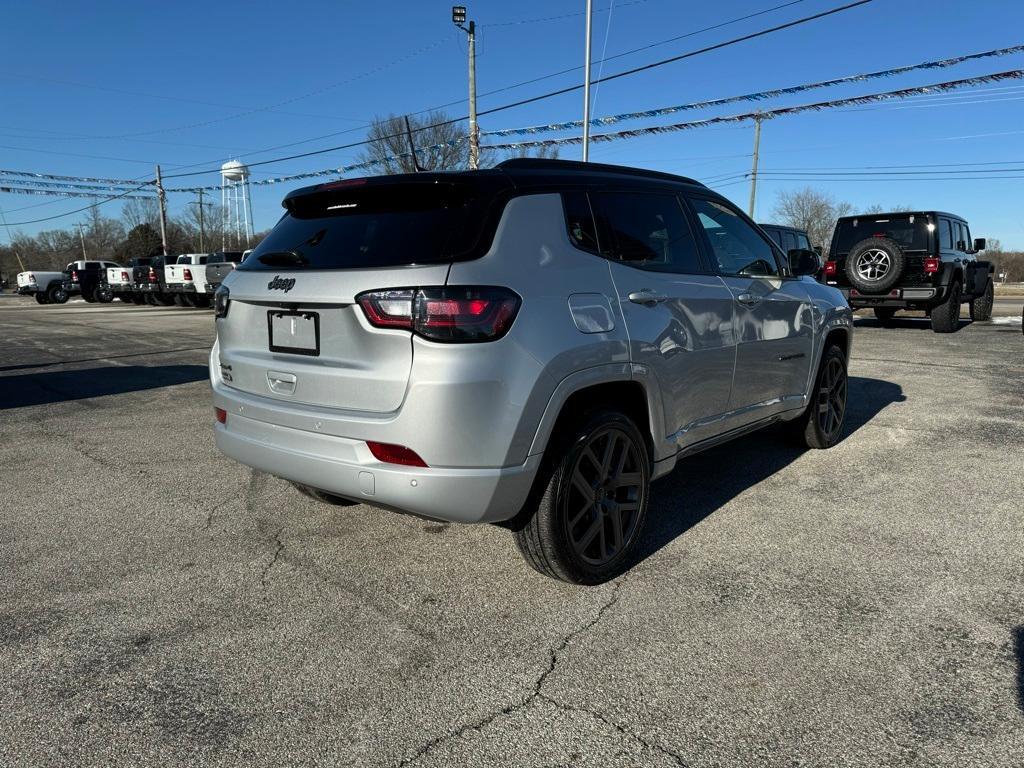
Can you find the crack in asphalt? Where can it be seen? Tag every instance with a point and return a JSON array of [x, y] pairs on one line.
[[274, 559], [537, 692]]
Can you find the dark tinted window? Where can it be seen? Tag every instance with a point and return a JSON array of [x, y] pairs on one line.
[[379, 225], [946, 234], [802, 241], [646, 230], [93, 265], [739, 249], [579, 221], [788, 241], [910, 231], [961, 237], [215, 258], [775, 235]]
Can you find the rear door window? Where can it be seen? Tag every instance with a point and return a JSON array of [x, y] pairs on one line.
[[379, 225], [909, 231], [648, 230], [775, 235], [738, 248], [788, 241], [945, 234], [802, 241]]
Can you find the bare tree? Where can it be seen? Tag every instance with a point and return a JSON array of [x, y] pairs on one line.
[[139, 210], [876, 208], [813, 211], [440, 144]]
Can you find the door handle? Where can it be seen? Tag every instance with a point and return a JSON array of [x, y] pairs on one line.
[[647, 296], [748, 298]]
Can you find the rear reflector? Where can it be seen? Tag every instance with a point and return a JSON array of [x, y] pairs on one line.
[[931, 266], [830, 267], [395, 454], [222, 415]]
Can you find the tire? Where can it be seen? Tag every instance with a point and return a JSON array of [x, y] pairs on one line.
[[103, 295], [42, 298], [138, 298], [57, 295], [89, 297], [179, 300], [946, 316], [579, 531], [189, 300], [874, 265], [163, 300], [981, 306], [327, 498], [817, 428], [150, 299], [884, 315]]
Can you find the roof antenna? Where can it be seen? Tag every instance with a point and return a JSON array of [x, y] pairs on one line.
[[412, 147]]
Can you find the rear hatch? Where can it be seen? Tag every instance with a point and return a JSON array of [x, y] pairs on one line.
[[913, 233], [118, 276], [176, 273], [293, 330], [216, 272]]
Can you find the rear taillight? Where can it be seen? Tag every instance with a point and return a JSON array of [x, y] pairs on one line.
[[395, 454], [187, 275], [74, 276], [221, 301], [31, 277], [222, 415], [124, 277], [152, 275], [449, 314], [830, 268], [931, 266]]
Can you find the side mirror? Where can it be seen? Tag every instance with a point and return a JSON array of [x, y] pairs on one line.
[[980, 243], [804, 262]]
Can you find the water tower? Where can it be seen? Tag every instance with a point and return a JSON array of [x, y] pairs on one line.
[[236, 206]]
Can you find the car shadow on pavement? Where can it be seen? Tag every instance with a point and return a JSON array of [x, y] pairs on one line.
[[703, 483], [910, 323], [61, 386]]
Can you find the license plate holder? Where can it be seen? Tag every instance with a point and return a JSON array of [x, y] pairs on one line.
[[294, 332]]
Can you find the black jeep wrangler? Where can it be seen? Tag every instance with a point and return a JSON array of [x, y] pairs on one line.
[[923, 260]]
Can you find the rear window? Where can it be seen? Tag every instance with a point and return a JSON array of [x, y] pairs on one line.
[[909, 231], [381, 225]]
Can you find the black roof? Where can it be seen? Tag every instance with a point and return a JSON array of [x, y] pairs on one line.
[[525, 171], [903, 213]]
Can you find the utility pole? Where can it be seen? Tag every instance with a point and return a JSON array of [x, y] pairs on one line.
[[81, 236], [459, 18], [202, 222], [753, 172], [17, 254], [163, 209], [586, 84]]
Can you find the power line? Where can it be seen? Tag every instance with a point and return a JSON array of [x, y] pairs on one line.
[[616, 76], [79, 210]]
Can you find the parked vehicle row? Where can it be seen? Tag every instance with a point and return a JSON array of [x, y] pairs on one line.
[[186, 280]]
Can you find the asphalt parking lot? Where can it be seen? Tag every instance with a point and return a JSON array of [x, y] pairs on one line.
[[163, 606]]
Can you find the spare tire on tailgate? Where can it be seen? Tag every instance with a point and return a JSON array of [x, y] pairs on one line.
[[875, 264]]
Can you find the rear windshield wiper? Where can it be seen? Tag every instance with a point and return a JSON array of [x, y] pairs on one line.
[[283, 259]]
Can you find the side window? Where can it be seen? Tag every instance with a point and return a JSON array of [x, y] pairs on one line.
[[202, 259], [647, 230], [802, 241], [579, 221], [961, 237], [775, 235], [91, 265], [788, 242], [968, 242], [738, 248], [945, 235]]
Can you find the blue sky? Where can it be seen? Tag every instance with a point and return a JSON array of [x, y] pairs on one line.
[[108, 89]]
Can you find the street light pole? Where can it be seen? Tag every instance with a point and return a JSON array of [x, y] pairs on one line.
[[586, 85], [459, 18]]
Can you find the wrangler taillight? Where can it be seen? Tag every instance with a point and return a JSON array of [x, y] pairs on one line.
[[830, 268], [455, 313], [931, 266], [74, 275], [152, 275], [187, 274]]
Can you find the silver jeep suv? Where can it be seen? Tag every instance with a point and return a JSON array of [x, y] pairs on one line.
[[528, 345]]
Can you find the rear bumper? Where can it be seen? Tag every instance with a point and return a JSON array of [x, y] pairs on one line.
[[148, 288], [27, 290], [345, 467], [181, 288], [897, 297]]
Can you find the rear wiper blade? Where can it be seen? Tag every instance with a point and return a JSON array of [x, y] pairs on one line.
[[283, 258]]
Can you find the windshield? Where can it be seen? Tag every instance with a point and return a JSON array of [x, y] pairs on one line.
[[909, 231], [375, 226]]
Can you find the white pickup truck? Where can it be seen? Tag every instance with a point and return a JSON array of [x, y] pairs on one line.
[[121, 280], [186, 280], [47, 287]]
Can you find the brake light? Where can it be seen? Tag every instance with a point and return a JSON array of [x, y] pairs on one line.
[[74, 275], [345, 183], [449, 314], [187, 275], [221, 301], [830, 267], [931, 266], [395, 454], [31, 277], [152, 275], [124, 276], [222, 415]]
